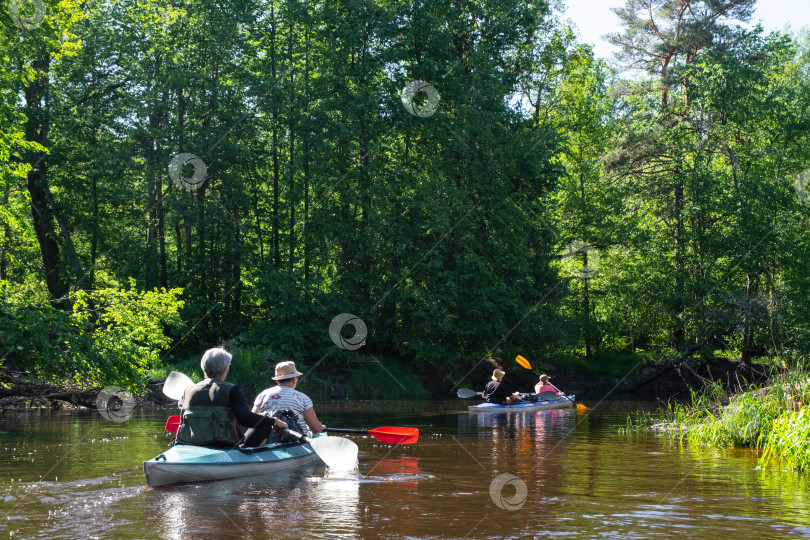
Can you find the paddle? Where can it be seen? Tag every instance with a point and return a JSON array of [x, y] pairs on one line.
[[175, 384], [465, 393], [173, 423], [338, 453], [386, 434], [525, 363]]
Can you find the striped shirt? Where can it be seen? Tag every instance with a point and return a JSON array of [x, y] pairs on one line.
[[279, 398]]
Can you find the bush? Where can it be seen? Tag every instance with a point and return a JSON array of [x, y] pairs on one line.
[[384, 379], [108, 336]]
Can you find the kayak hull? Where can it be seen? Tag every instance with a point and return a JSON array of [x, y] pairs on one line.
[[565, 402], [186, 463]]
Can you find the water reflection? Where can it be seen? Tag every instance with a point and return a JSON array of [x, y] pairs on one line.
[[403, 469], [396, 481], [336, 501], [532, 428], [264, 505], [583, 479], [285, 503]]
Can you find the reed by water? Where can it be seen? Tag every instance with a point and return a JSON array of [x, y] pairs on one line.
[[773, 418]]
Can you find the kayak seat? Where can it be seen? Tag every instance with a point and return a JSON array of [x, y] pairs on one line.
[[548, 395]]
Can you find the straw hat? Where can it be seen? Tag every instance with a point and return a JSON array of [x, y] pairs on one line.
[[497, 375], [286, 370]]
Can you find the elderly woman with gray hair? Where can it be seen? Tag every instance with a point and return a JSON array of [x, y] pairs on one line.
[[212, 410]]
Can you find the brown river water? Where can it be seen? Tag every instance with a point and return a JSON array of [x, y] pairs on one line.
[[563, 474]]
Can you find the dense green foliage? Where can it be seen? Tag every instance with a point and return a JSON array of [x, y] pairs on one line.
[[542, 205], [109, 336], [360, 377]]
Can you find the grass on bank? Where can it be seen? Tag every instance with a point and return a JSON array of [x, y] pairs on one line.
[[774, 418], [789, 440], [359, 377], [247, 369]]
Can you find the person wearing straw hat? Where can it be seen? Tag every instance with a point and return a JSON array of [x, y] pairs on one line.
[[545, 386], [497, 392], [284, 397]]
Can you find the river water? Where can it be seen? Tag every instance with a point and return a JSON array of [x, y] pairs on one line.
[[548, 474]]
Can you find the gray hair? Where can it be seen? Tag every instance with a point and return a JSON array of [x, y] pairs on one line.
[[215, 362]]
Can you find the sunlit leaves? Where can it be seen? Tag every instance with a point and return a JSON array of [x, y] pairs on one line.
[[109, 336]]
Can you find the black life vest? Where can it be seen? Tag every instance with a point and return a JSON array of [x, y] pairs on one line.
[[206, 417]]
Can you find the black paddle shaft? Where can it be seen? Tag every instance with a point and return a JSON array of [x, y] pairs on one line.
[[340, 430]]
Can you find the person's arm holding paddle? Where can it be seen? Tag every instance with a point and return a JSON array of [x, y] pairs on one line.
[[247, 418], [312, 421]]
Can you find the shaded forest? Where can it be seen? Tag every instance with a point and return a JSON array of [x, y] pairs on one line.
[[465, 178]]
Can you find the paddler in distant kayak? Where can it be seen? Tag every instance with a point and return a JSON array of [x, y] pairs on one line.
[[497, 392], [211, 409], [545, 386]]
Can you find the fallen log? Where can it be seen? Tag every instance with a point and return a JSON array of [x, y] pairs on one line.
[[18, 387]]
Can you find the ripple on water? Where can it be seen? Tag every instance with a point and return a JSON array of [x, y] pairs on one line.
[[396, 478], [73, 509]]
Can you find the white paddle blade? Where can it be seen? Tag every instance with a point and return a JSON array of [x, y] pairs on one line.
[[176, 383], [465, 393], [338, 453]]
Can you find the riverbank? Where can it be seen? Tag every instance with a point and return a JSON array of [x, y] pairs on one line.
[[359, 377], [363, 377], [772, 418]]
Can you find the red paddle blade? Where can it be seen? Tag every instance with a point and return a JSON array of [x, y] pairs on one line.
[[395, 435], [173, 424]]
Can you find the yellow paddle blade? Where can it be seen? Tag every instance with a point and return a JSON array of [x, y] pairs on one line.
[[523, 362], [581, 407]]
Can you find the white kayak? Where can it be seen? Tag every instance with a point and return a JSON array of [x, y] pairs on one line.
[[564, 402], [186, 463]]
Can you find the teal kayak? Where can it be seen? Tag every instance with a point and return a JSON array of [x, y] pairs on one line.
[[564, 402], [186, 463]]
